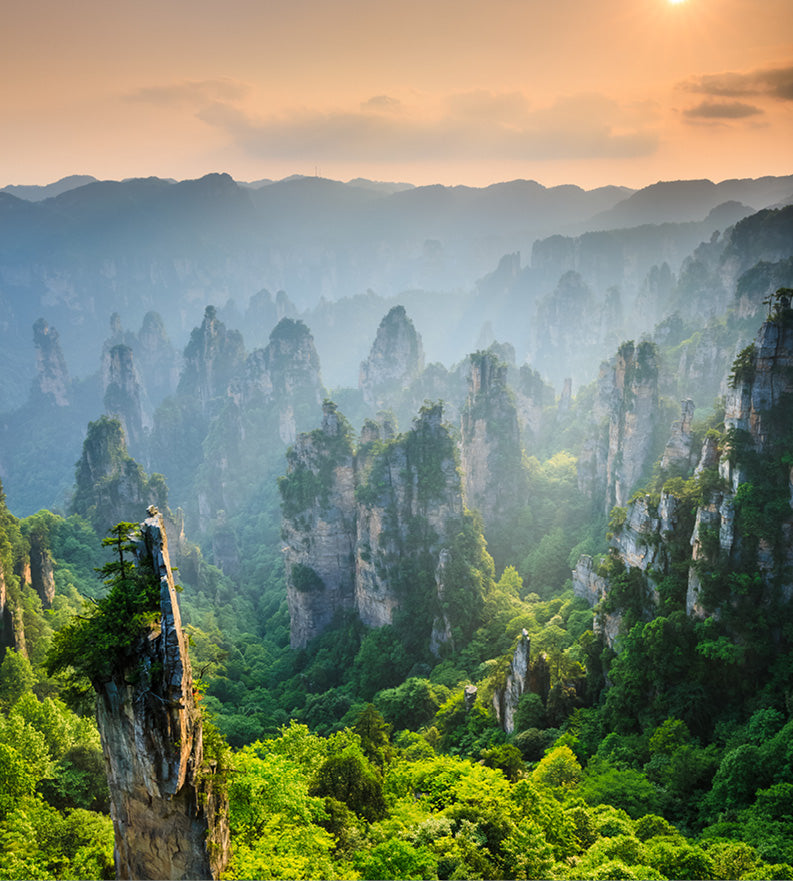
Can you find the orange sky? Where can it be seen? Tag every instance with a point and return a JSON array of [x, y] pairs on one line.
[[589, 92]]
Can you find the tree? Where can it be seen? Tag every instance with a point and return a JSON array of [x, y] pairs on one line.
[[349, 778], [16, 678], [559, 769], [99, 642]]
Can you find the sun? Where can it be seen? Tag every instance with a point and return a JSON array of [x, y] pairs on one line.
[[675, 2]]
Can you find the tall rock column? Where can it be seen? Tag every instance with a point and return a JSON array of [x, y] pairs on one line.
[[169, 817], [494, 482], [318, 529], [52, 376]]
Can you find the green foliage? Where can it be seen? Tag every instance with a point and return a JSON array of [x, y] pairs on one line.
[[100, 643], [16, 678], [350, 778]]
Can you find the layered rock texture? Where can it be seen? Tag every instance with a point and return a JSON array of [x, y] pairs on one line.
[[169, 815], [380, 531]]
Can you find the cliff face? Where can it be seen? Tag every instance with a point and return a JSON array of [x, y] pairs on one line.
[[277, 393], [730, 523], [169, 817], [396, 358], [109, 483], [318, 527], [409, 497], [52, 376], [522, 677], [620, 445], [749, 519], [123, 396], [494, 482], [381, 531], [212, 358]]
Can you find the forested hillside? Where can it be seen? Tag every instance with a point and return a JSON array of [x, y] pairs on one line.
[[525, 613]]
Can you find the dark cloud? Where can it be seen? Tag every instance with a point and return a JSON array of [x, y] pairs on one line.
[[771, 82], [475, 125], [190, 92], [722, 110]]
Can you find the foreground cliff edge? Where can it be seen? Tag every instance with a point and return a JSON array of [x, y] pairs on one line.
[[168, 804]]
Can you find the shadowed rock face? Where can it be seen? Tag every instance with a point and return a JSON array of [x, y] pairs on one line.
[[169, 818]]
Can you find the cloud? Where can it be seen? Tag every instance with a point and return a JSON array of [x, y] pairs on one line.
[[771, 82], [381, 102], [471, 125], [190, 93], [722, 110]]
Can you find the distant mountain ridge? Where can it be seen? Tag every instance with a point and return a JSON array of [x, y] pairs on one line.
[[78, 250]]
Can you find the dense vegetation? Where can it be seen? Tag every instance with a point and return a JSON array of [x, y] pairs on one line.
[[662, 750]]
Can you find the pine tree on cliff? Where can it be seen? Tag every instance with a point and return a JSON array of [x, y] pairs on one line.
[[169, 805]]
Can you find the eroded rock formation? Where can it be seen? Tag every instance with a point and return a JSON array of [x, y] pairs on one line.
[[380, 531], [396, 358], [625, 414], [521, 677], [52, 375], [124, 393], [730, 524], [493, 479], [319, 527], [169, 815]]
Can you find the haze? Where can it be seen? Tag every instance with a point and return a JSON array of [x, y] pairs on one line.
[[619, 91]]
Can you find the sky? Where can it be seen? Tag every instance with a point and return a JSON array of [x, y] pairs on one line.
[[473, 92]]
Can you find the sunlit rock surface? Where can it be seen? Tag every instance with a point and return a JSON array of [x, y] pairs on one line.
[[170, 821]]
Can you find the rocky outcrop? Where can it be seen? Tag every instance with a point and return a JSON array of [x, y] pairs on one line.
[[589, 585], [109, 484], [42, 574], [619, 448], [212, 358], [757, 420], [318, 527], [285, 375], [521, 677], [124, 393], [494, 481], [52, 376], [679, 449], [380, 531], [729, 525], [170, 816], [409, 503], [395, 360]]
